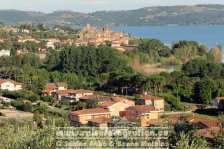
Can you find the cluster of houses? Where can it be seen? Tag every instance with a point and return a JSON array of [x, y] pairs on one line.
[[108, 109], [103, 110], [86, 36], [91, 36]]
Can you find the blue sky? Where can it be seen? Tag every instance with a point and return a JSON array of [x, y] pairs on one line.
[[95, 5]]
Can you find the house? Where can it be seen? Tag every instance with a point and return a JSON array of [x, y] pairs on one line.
[[142, 114], [76, 94], [82, 117], [204, 127], [203, 123], [4, 52], [47, 92], [99, 122], [71, 94], [56, 86], [93, 101], [157, 102], [10, 85], [116, 107], [124, 100]]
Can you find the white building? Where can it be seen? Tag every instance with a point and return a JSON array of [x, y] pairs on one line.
[[10, 85], [4, 52]]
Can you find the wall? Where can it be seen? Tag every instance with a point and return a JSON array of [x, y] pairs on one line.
[[117, 108], [7, 85]]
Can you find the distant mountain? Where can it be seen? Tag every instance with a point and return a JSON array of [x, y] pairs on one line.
[[166, 15]]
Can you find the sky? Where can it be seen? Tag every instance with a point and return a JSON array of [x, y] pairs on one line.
[[94, 5]]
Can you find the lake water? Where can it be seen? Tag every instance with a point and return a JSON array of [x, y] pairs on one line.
[[210, 35]]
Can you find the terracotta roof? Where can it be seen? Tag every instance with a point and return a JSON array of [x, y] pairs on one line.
[[220, 98], [108, 103], [173, 119], [94, 97], [48, 90], [207, 133], [2, 81], [120, 99], [62, 92], [143, 108], [124, 100], [91, 111], [80, 91], [100, 120], [207, 122], [150, 97], [11, 81]]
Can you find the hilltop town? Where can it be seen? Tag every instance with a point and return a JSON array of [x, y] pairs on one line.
[[34, 38]]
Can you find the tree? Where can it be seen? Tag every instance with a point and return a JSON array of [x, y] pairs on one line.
[[48, 98], [185, 50], [217, 53], [80, 106], [65, 102], [203, 92], [186, 141]]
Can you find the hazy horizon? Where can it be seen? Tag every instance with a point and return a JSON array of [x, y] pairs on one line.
[[88, 6]]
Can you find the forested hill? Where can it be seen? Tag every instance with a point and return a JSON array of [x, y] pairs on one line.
[[166, 15]]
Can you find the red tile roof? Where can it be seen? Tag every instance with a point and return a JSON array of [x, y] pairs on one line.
[[11, 81], [80, 91], [2, 81], [220, 98], [143, 108], [94, 97], [119, 99], [192, 119], [91, 111], [108, 104], [48, 90], [173, 119], [208, 133], [150, 97], [207, 122]]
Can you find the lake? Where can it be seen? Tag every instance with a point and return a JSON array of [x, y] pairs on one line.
[[210, 35]]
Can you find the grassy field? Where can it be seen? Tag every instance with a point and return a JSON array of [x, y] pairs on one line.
[[12, 113]]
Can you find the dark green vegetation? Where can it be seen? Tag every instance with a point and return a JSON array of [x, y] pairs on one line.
[[105, 69], [181, 15]]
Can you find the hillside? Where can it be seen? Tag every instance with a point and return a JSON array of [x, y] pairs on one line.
[[166, 15]]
